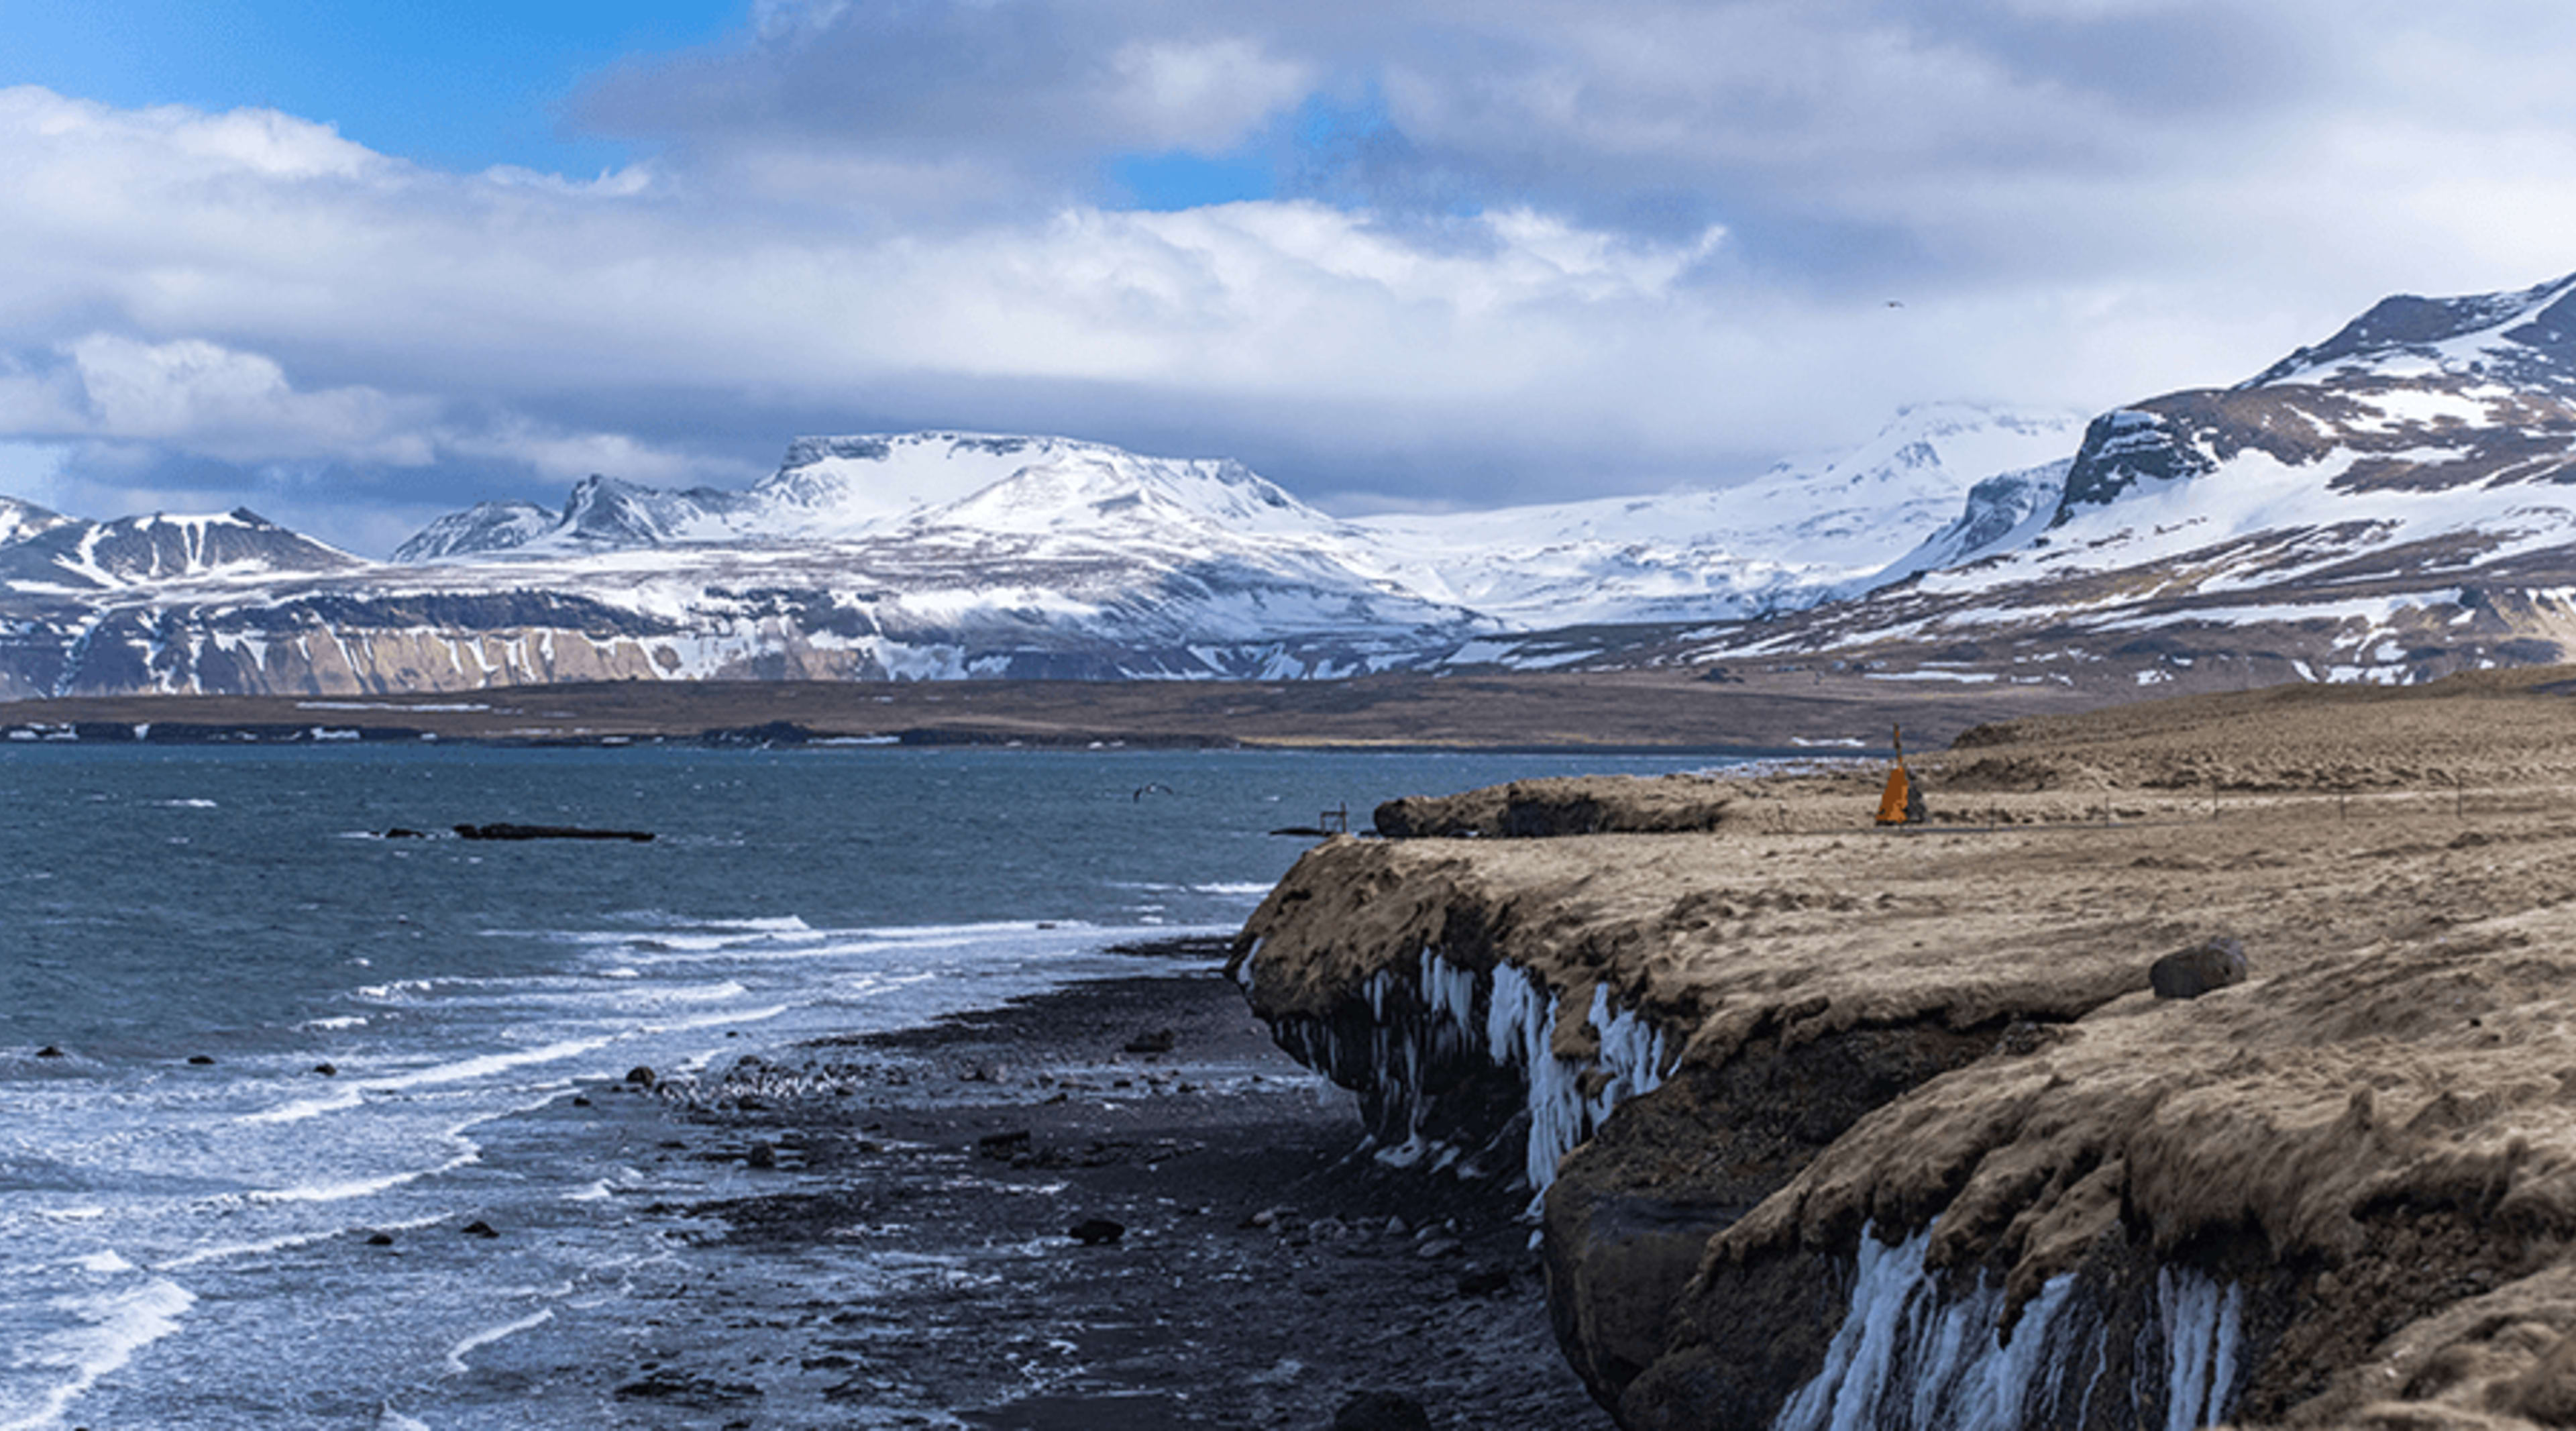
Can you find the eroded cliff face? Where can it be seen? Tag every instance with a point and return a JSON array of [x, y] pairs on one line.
[[1836, 1128]]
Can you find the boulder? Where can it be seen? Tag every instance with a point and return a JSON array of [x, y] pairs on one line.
[[1381, 1411], [1157, 1041], [763, 1154], [1003, 1146], [49, 1051], [1096, 1231], [2190, 973], [479, 1228], [640, 1076]]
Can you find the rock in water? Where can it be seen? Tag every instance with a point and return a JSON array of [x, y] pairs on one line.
[[2190, 973], [1096, 1231], [640, 1075], [1381, 1411], [49, 1051], [479, 1228]]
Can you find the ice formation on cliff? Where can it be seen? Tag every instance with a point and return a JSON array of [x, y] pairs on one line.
[[1909, 1358]]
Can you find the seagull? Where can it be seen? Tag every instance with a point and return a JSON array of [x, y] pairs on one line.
[[1152, 785], [1896, 303]]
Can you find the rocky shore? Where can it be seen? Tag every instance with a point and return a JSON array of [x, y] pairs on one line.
[[1842, 1126], [1116, 1205]]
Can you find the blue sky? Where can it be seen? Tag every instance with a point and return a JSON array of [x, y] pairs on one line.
[[356, 265], [458, 84]]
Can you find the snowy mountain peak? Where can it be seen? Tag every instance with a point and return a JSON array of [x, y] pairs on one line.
[[1100, 491], [20, 520], [2532, 331], [483, 527], [135, 551], [2420, 393], [846, 486]]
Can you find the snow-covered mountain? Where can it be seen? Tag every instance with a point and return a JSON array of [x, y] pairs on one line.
[[146, 553], [21, 520], [1076, 561], [1798, 535], [2392, 504], [1790, 538]]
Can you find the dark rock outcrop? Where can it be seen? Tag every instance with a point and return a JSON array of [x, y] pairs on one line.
[[1542, 809], [507, 831]]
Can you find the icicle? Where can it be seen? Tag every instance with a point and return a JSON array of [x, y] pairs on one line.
[[1906, 1359], [2203, 1325]]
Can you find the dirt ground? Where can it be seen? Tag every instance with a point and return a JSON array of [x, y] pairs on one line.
[[2399, 867]]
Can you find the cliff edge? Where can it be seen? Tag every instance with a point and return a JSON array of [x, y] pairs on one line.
[[1830, 1126]]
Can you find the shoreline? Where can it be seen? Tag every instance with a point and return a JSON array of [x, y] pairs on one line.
[[1656, 711], [1257, 1280]]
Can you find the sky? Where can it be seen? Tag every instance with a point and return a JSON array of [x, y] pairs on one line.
[[355, 266]]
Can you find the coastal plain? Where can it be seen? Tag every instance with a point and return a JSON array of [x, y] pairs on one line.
[[2342, 1191]]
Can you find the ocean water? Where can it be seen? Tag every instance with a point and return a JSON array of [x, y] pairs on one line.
[[182, 1243]]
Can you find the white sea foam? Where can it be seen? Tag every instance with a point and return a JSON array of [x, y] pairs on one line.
[[352, 1188], [456, 1354], [460, 1071], [340, 1021], [114, 1328], [265, 1247], [104, 1260]]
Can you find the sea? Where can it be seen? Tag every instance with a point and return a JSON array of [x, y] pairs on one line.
[[186, 1196]]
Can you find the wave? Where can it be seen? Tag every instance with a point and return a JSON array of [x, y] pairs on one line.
[[461, 1071], [456, 1354], [118, 1326]]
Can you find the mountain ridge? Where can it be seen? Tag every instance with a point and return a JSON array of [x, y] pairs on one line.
[[2393, 503]]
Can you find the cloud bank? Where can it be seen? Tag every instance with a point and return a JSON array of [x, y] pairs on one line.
[[1506, 251]]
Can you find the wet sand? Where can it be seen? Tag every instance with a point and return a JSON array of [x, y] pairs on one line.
[[912, 1264]]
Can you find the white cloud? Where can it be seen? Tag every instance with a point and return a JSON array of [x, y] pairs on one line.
[[236, 406], [1569, 247]]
